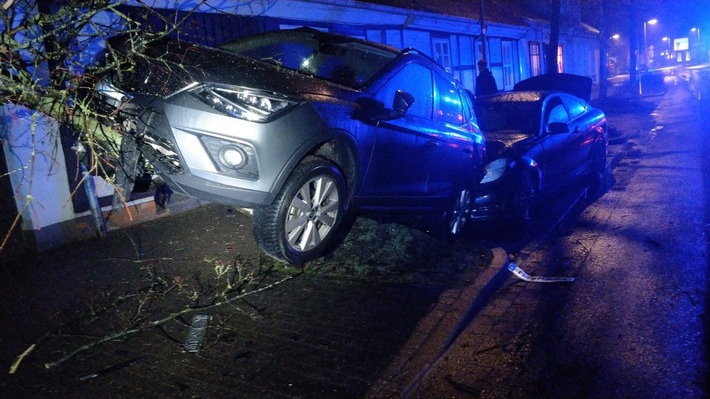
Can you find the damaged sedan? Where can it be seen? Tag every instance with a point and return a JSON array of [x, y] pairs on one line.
[[538, 142], [303, 127]]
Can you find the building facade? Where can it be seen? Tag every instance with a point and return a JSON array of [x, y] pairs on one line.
[[513, 43]]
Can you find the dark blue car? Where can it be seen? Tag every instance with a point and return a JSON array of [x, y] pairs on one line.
[[538, 142]]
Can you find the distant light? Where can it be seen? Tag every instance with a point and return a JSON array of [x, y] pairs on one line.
[[693, 29], [665, 38], [652, 21], [615, 36]]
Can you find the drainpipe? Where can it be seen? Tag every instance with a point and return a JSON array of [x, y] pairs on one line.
[[90, 189]]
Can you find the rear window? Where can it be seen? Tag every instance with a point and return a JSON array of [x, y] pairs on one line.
[[495, 114], [574, 106]]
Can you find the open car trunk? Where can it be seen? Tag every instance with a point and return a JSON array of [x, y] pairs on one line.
[[580, 86]]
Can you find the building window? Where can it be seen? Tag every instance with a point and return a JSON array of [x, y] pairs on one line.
[[560, 62], [442, 53], [508, 58], [535, 59]]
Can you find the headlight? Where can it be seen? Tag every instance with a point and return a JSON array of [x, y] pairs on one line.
[[242, 103], [494, 170], [110, 93]]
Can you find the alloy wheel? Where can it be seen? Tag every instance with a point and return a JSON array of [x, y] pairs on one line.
[[312, 213]]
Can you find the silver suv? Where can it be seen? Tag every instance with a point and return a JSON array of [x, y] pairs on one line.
[[303, 126]]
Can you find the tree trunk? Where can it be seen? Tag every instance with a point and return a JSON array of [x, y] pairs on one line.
[[633, 51], [603, 49], [552, 66]]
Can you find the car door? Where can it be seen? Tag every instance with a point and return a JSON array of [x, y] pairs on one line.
[[451, 153], [396, 173], [582, 134], [555, 160]]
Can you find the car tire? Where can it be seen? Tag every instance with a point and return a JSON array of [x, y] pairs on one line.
[[458, 213], [599, 167], [302, 222], [524, 199]]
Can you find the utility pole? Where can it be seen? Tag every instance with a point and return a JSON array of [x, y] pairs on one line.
[[552, 66], [603, 48]]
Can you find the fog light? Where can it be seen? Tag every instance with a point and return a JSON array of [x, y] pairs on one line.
[[232, 157]]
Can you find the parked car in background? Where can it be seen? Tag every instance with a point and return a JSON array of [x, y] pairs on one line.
[[303, 127], [538, 142]]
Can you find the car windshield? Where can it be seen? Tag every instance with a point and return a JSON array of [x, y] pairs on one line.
[[336, 59], [505, 113]]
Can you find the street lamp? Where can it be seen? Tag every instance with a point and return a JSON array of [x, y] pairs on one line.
[[697, 48], [652, 21], [668, 46]]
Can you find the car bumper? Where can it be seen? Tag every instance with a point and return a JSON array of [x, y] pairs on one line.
[[486, 208], [492, 201], [218, 193], [182, 140]]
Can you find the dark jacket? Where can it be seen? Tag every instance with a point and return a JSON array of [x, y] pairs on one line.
[[485, 83]]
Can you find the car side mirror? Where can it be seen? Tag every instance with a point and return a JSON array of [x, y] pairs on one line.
[[402, 102], [557, 128], [369, 109]]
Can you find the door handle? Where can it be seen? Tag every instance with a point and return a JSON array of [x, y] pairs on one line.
[[431, 144]]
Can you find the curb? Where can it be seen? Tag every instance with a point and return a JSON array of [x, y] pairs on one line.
[[437, 332], [500, 273], [616, 159]]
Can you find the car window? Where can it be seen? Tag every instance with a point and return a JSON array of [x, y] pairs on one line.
[[347, 62], [416, 80], [555, 111], [468, 114], [449, 108], [574, 106]]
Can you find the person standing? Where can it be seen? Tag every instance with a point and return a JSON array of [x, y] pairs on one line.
[[485, 82]]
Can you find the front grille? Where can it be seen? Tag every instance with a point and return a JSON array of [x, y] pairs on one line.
[[152, 132], [148, 127], [161, 154]]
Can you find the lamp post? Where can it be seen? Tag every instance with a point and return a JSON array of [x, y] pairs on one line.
[[652, 21], [695, 53], [613, 56], [668, 47]]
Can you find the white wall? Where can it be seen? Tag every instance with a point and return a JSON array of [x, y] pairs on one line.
[[36, 165]]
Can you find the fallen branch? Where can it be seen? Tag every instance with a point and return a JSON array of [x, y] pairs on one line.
[[20, 358], [226, 300], [155, 323]]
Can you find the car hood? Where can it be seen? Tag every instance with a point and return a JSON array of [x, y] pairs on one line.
[[169, 66], [580, 86], [504, 143]]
